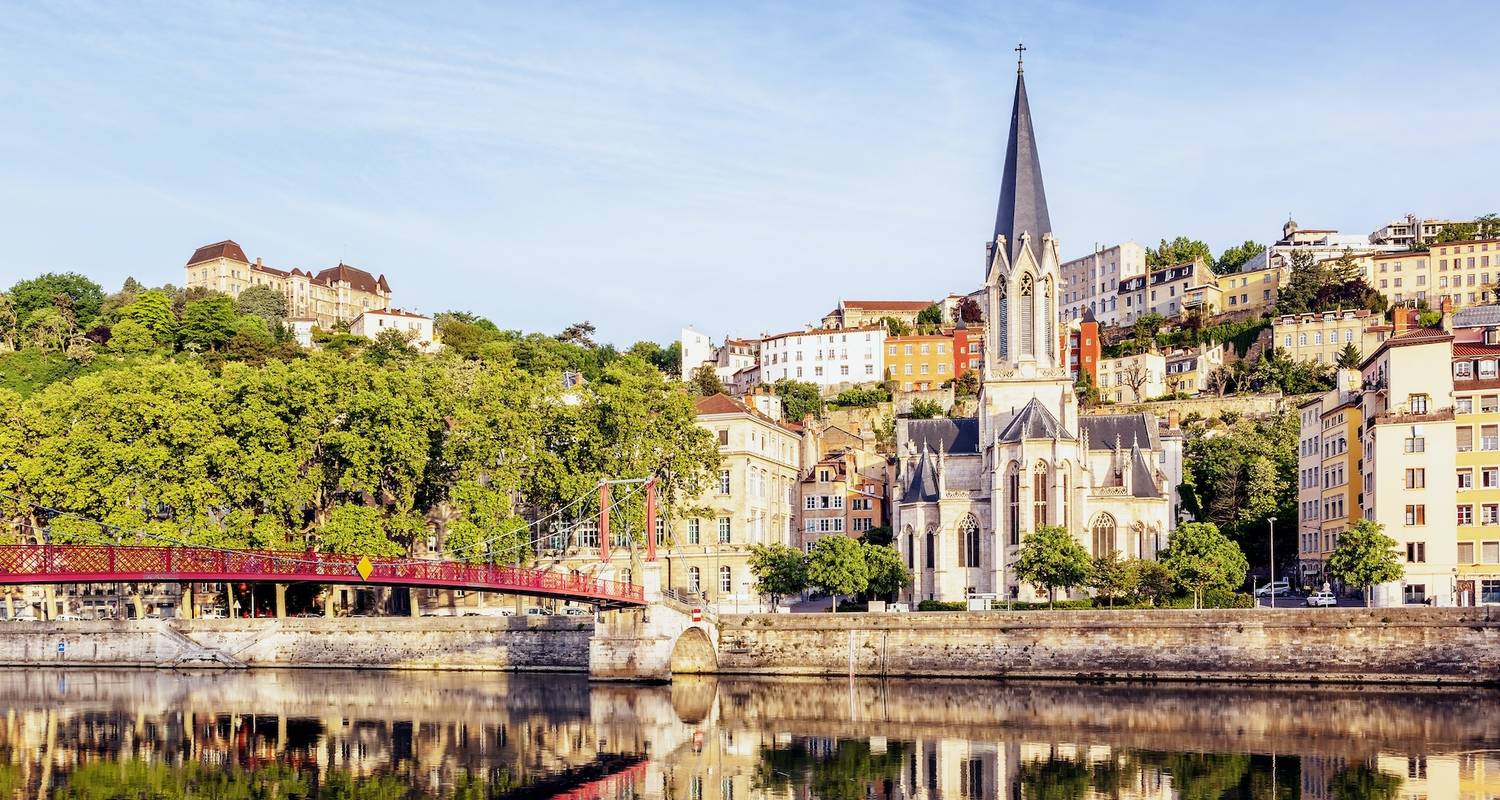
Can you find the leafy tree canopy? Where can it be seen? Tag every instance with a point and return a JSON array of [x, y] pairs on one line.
[[1202, 558], [1235, 257], [71, 293], [1050, 558], [1178, 251], [1365, 556], [799, 399], [779, 570], [837, 565]]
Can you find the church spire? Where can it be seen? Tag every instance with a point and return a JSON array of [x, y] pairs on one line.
[[1023, 200]]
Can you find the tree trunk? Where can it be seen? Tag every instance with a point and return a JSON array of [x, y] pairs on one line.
[[835, 597], [1051, 598]]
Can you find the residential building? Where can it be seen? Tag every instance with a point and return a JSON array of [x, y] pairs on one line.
[[1320, 243], [1133, 378], [1466, 272], [968, 348], [1410, 448], [1319, 336], [697, 350], [832, 358], [1084, 347], [1167, 288], [839, 500], [920, 363], [1403, 277], [860, 313], [1132, 300], [1476, 406], [1186, 370], [1092, 282], [1205, 299], [1254, 291], [752, 502], [332, 296], [1329, 460], [416, 328], [734, 356], [1405, 232], [969, 490]]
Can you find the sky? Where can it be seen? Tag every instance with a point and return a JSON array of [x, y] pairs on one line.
[[736, 167]]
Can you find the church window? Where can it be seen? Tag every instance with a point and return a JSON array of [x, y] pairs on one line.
[[1004, 326], [1039, 497], [1104, 535], [931, 548], [911, 551], [1062, 500], [1047, 312], [968, 542], [1028, 327], [1014, 490]]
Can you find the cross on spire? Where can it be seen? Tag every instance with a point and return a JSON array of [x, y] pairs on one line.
[[1020, 58]]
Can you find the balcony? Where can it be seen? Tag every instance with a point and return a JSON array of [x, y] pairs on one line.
[[1408, 418]]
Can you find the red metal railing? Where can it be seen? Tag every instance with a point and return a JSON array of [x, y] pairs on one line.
[[82, 563]]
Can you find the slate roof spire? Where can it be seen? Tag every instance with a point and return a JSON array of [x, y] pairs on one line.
[[1023, 200]]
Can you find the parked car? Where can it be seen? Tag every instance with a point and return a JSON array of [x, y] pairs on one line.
[[897, 608], [67, 618], [537, 611], [577, 611], [1276, 589], [1321, 599]]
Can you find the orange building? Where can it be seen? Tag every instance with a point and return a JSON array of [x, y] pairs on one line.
[[1082, 345], [968, 349], [921, 362], [837, 499]]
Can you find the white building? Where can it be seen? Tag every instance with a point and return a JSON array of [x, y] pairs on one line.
[[697, 349], [1093, 282], [830, 358], [734, 357], [416, 328]]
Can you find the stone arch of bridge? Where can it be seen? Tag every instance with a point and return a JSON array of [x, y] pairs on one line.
[[693, 653]]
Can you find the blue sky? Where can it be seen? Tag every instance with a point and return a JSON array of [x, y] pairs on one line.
[[737, 167]]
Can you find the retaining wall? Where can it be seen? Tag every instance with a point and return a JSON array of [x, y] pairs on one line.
[[1430, 645]]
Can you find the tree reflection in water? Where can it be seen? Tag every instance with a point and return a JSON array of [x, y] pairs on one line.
[[313, 736]]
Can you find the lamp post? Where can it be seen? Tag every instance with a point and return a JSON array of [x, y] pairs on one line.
[[1272, 590]]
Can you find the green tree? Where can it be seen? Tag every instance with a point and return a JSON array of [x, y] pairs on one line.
[[1237, 256], [1458, 232], [579, 333], [925, 409], [837, 566], [895, 327], [1151, 579], [1178, 251], [262, 301], [1487, 226], [10, 325], [667, 359], [153, 311], [1083, 386], [966, 384], [931, 315], [799, 399], [208, 324], [48, 328], [1303, 282], [1349, 356], [1365, 556], [131, 338], [1202, 558], [1359, 782], [885, 571], [1110, 577], [779, 570], [390, 347], [705, 382], [1144, 330], [1050, 558], [68, 291]]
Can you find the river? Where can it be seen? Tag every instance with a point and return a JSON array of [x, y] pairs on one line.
[[345, 734]]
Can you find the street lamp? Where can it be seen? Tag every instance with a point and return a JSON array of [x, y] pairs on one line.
[[1272, 590]]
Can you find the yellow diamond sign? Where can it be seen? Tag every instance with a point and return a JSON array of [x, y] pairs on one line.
[[365, 567]]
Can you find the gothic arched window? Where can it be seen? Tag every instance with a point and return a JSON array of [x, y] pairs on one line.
[[1104, 535], [931, 548], [1039, 495], [1028, 317], [968, 541], [911, 552], [1003, 329], [1047, 312], [1013, 488]]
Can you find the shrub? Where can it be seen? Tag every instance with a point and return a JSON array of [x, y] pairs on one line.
[[942, 605]]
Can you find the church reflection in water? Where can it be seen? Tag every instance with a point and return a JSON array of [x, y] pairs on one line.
[[322, 734]]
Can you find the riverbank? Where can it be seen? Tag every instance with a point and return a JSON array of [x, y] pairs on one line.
[[1377, 646]]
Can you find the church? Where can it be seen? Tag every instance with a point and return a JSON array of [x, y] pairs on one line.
[[970, 490]]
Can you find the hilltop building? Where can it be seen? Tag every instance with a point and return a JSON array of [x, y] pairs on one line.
[[969, 490], [330, 297]]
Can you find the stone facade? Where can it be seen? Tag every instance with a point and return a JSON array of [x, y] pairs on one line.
[[330, 297]]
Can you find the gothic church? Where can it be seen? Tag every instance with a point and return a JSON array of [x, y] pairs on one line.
[[970, 490]]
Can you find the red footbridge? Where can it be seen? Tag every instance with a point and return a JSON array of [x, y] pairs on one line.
[[38, 564]]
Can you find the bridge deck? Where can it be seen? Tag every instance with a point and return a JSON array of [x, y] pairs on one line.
[[36, 564]]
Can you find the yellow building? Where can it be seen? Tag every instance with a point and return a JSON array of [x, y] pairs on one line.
[[919, 363], [1476, 403], [1465, 271], [1254, 291], [858, 313], [1328, 473], [1320, 336], [330, 297]]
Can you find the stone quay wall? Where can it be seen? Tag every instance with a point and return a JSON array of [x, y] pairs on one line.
[[475, 643], [1419, 645]]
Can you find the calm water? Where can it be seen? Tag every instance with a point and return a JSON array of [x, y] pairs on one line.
[[313, 734]]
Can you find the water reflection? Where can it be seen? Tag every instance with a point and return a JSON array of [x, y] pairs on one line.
[[315, 734]]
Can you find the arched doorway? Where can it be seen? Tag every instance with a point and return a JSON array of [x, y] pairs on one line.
[[694, 653]]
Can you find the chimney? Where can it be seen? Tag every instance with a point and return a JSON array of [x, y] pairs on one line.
[[1174, 419], [257, 262], [1405, 320]]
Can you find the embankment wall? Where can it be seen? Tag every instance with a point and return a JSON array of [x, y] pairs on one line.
[[1429, 645]]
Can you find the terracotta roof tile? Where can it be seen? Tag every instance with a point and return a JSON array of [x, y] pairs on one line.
[[891, 305], [720, 404], [225, 249], [357, 278]]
